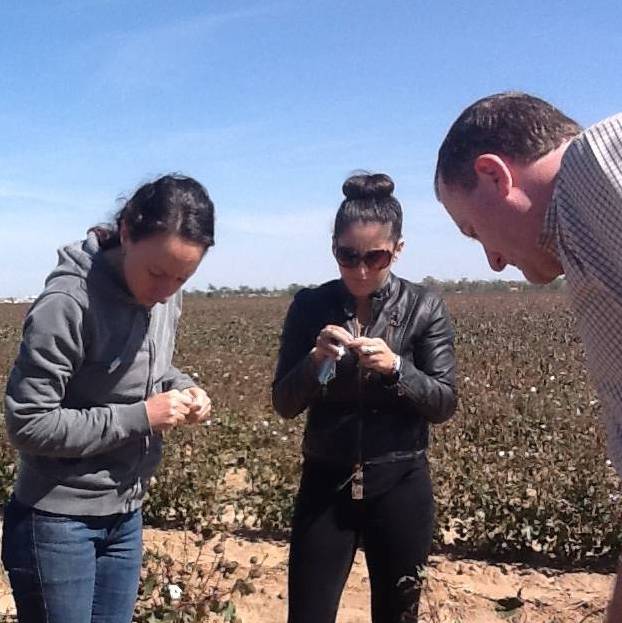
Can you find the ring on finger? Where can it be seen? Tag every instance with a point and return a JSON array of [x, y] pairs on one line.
[[368, 350]]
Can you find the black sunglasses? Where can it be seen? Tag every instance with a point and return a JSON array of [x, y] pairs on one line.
[[376, 259]]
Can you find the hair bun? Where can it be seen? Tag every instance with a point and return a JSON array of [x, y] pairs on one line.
[[368, 186]]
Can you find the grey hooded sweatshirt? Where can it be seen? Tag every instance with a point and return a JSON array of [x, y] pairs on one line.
[[75, 402]]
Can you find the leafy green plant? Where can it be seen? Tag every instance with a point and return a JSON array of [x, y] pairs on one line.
[[520, 472]]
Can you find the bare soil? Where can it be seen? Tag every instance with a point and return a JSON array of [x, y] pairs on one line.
[[456, 591]]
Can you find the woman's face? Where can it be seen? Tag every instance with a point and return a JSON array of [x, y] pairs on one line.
[[373, 242], [157, 266]]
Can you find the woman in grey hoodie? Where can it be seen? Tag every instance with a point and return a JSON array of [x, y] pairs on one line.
[[89, 395]]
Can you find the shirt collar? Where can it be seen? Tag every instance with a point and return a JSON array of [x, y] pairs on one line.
[[548, 235]]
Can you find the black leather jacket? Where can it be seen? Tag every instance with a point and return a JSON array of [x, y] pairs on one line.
[[362, 416]]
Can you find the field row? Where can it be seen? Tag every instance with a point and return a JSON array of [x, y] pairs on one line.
[[520, 472]]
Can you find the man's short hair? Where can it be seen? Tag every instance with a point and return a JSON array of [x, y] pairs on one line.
[[517, 125]]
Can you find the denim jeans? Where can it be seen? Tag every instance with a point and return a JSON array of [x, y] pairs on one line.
[[66, 569]]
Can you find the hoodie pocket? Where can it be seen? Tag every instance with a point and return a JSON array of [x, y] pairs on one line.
[[116, 469]]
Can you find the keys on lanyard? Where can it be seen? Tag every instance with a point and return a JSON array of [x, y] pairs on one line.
[[357, 482], [357, 472]]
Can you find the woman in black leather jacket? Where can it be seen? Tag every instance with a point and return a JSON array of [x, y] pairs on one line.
[[370, 357]]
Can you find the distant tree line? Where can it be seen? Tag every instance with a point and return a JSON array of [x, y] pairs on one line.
[[225, 291], [497, 285], [445, 286]]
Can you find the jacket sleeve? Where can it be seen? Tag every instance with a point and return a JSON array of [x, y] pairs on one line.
[[174, 379], [52, 350], [295, 380], [428, 382]]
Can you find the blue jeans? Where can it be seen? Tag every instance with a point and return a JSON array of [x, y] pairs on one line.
[[66, 569]]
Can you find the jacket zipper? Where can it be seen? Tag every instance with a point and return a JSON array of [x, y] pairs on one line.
[[357, 471], [357, 478]]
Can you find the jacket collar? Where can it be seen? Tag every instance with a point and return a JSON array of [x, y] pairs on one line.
[[379, 296]]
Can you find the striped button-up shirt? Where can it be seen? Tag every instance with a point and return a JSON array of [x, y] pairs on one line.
[[583, 227]]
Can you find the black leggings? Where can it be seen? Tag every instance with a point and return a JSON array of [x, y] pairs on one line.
[[395, 529]]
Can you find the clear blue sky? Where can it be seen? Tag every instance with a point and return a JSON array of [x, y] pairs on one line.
[[271, 105]]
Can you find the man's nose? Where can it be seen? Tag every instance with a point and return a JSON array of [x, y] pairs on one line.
[[496, 260]]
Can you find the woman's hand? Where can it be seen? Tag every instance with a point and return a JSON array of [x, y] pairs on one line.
[[168, 409], [330, 343], [374, 354], [201, 406]]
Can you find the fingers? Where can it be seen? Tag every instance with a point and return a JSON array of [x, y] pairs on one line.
[[366, 347], [201, 405], [373, 362], [172, 421], [199, 398], [196, 397], [368, 350], [337, 334], [206, 409], [176, 420], [336, 351], [201, 412], [173, 408], [182, 397], [332, 341], [334, 334], [180, 408], [374, 354]]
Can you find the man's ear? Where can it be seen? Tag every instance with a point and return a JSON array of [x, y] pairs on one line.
[[493, 172], [398, 249], [123, 233]]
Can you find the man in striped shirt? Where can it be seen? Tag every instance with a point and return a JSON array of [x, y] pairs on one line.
[[540, 194]]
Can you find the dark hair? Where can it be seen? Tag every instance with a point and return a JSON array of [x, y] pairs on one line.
[[369, 199], [517, 125], [172, 203]]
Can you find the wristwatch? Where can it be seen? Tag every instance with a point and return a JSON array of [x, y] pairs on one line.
[[397, 364]]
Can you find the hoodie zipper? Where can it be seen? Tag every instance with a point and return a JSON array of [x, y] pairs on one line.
[[145, 442], [149, 390], [151, 355]]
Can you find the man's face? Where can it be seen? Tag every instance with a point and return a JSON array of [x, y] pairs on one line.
[[505, 225]]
